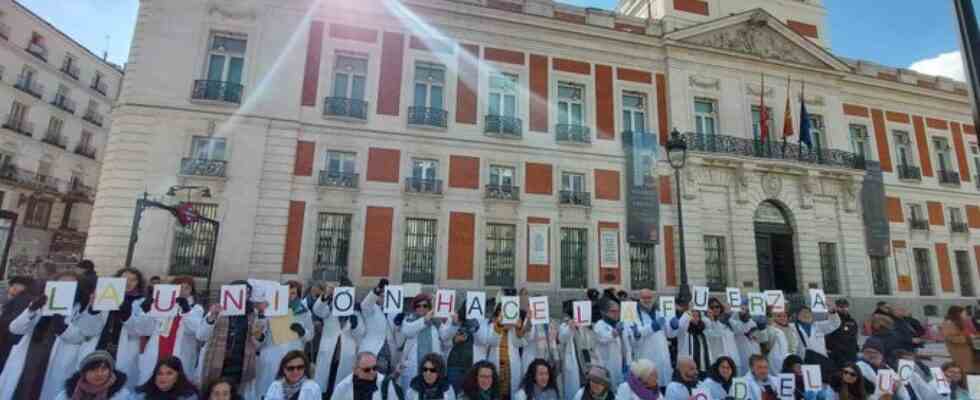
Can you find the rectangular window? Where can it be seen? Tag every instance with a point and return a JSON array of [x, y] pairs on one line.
[[429, 85], [420, 251], [86, 140], [425, 168], [332, 246], [923, 270], [705, 116], [574, 258], [350, 76], [54, 128], [915, 212], [714, 262], [501, 255], [226, 58], [817, 130], [503, 95], [975, 151], [942, 154], [955, 215], [501, 176], [963, 270], [903, 148], [27, 76], [828, 267], [634, 112], [643, 272], [341, 162], [860, 143], [880, 276], [44, 168], [208, 148], [194, 244], [756, 126], [18, 114], [571, 104], [38, 213], [572, 182]]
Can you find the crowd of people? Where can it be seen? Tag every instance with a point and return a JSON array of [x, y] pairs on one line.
[[415, 355]]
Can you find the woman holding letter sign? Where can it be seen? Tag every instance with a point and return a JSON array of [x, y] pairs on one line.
[[504, 341], [721, 337], [176, 336], [115, 331], [424, 334], [289, 332], [232, 341], [612, 344], [337, 344], [691, 339], [575, 341]]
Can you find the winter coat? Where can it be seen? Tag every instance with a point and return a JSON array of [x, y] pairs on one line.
[[842, 344], [118, 391], [127, 344], [960, 347]]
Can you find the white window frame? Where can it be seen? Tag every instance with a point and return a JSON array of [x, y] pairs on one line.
[[860, 140], [433, 166], [429, 84], [227, 54], [571, 182], [903, 141], [503, 94], [343, 158], [943, 154], [348, 92], [632, 114], [195, 150], [500, 177], [705, 119], [570, 102]]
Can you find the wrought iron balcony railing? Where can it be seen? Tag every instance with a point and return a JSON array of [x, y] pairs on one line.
[[427, 116], [94, 117], [228, 92], [919, 224], [38, 50], [55, 139], [64, 103], [101, 87], [575, 198], [504, 192], [203, 167], [958, 227], [420, 185], [85, 151], [29, 86], [503, 126], [573, 133], [29, 178], [70, 70], [18, 125], [339, 179], [745, 147], [947, 177], [345, 108], [909, 172]]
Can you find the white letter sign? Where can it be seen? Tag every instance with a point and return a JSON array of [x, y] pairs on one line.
[[740, 389], [973, 385], [628, 312], [905, 370], [757, 304], [775, 299], [343, 301], [109, 294], [812, 378], [818, 301], [734, 299], [700, 394], [667, 307], [886, 381], [445, 303], [164, 302], [510, 310], [278, 298], [538, 308], [61, 296], [700, 298], [233, 299], [942, 385], [583, 312], [394, 299], [787, 385], [475, 304]]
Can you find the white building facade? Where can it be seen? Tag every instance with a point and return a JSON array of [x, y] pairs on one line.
[[496, 143], [55, 98]]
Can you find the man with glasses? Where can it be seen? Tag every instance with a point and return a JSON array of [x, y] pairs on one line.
[[649, 338], [366, 383]]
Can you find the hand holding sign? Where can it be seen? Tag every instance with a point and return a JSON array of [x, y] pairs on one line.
[[343, 301], [757, 304], [629, 312], [776, 300], [164, 301], [394, 299], [60, 297], [510, 310], [734, 297], [233, 299], [582, 311], [668, 305], [818, 301], [538, 310], [700, 302], [445, 303]]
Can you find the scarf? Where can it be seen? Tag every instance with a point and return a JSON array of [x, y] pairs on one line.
[[35, 366], [88, 391], [424, 342], [291, 389], [426, 391], [363, 389], [214, 359], [699, 344], [109, 339], [640, 389], [806, 327], [690, 386], [503, 354], [486, 395]]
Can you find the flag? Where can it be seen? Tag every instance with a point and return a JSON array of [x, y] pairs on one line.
[[788, 118], [804, 120], [763, 114]]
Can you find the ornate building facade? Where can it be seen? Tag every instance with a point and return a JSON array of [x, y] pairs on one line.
[[495, 143]]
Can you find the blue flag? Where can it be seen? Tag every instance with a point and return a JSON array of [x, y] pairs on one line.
[[804, 123]]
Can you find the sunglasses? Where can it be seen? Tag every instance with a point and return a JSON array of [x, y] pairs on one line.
[[373, 368], [432, 370], [294, 368]]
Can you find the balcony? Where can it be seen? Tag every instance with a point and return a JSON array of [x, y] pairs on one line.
[[918, 224], [345, 108], [30, 87], [583, 199], [203, 167], [337, 179], [70, 70], [19, 125], [959, 227], [85, 151], [55, 139], [79, 190], [744, 147], [29, 179], [100, 87], [38, 50], [424, 186], [226, 92], [503, 192], [94, 118], [427, 116], [4, 31], [65, 104], [573, 133], [947, 177], [503, 126], [909, 172]]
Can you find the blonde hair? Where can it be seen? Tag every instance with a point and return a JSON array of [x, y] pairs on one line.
[[642, 368]]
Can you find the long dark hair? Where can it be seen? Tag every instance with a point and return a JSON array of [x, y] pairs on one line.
[[292, 355], [140, 282], [955, 315], [857, 391], [183, 386], [226, 381], [528, 382], [962, 383], [715, 372], [472, 388]]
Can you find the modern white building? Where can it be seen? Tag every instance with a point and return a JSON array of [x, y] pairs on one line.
[[494, 143], [55, 98]]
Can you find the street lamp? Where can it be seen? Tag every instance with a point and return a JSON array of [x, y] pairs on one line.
[[677, 156]]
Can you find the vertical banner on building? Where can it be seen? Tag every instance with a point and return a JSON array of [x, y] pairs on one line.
[[642, 202], [609, 243], [537, 244], [903, 269], [876, 226]]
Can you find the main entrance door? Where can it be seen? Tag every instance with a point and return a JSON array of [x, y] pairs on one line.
[[774, 249]]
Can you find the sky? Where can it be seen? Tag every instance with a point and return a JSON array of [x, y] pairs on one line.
[[915, 34]]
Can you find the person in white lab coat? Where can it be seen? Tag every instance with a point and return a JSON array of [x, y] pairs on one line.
[[762, 384], [117, 332], [539, 382], [812, 334], [777, 341], [598, 385], [293, 378], [162, 343], [718, 329], [743, 326], [300, 322], [424, 333], [612, 346], [365, 379], [232, 343], [649, 338], [338, 343], [431, 383], [503, 343], [719, 381], [685, 379], [692, 340], [643, 382], [576, 342], [375, 320]]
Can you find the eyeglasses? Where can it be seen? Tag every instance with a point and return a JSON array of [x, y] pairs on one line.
[[294, 368], [432, 370], [373, 368]]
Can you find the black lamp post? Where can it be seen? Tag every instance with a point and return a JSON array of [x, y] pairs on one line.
[[677, 156]]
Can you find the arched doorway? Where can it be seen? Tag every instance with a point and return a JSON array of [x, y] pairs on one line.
[[774, 248]]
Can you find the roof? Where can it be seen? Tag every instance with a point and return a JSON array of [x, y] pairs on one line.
[[69, 38]]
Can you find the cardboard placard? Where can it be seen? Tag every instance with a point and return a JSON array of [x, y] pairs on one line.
[[700, 394], [885, 381], [343, 301], [61, 296], [277, 297], [109, 294], [510, 310], [628, 312], [394, 299], [582, 311], [776, 300], [538, 310], [164, 301], [475, 305], [905, 370], [233, 299], [973, 385], [734, 296], [668, 307], [445, 305], [757, 304], [700, 300], [812, 377], [740, 389], [818, 301], [279, 328], [939, 380], [787, 385]]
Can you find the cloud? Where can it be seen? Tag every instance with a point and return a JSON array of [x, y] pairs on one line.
[[946, 64]]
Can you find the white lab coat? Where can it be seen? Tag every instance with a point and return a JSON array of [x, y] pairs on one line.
[[186, 347], [715, 389], [721, 342], [685, 341], [61, 360], [491, 339], [411, 394], [756, 388], [612, 351], [778, 347], [537, 345], [309, 391], [123, 394], [816, 339], [571, 375], [746, 345], [375, 323], [272, 353], [345, 389], [128, 350], [872, 376], [332, 330], [652, 345], [440, 335], [677, 391]]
